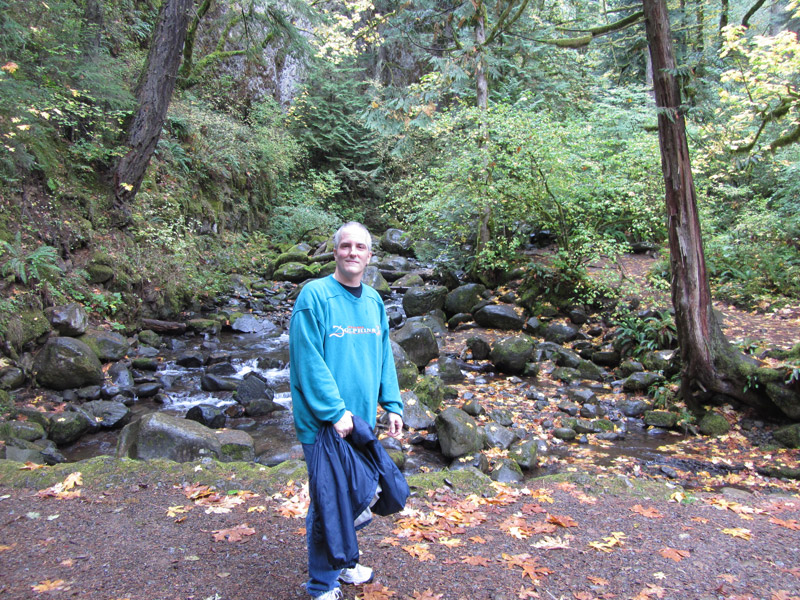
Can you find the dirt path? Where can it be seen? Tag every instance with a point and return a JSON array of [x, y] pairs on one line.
[[584, 539]]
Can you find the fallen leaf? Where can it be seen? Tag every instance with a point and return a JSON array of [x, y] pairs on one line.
[[526, 593], [375, 591], [729, 578], [739, 532], [672, 553], [562, 521], [49, 585], [597, 580], [651, 591], [174, 511], [31, 466], [649, 512], [551, 543], [419, 551], [529, 564], [792, 524], [426, 595], [615, 539], [477, 539], [783, 595], [476, 561], [234, 534]]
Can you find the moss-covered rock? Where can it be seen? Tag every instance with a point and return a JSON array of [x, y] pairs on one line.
[[430, 391], [661, 418], [713, 424]]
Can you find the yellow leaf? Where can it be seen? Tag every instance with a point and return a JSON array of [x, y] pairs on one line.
[[49, 585], [739, 532], [10, 67]]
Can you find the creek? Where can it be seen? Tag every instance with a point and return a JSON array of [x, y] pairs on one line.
[[274, 436]]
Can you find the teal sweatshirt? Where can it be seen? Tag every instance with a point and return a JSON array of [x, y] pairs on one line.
[[340, 357]]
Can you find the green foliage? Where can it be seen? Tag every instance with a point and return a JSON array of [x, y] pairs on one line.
[[594, 182], [24, 265], [636, 334]]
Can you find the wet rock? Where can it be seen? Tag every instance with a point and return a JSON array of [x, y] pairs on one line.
[[191, 359], [661, 418], [397, 241], [498, 436], [471, 461], [789, 436], [501, 416], [581, 395], [641, 382], [606, 358], [11, 377], [560, 333], [145, 364], [159, 435], [629, 367], [256, 396], [450, 369], [374, 279], [207, 414], [463, 298], [533, 326], [633, 408], [23, 430], [498, 316], [473, 408], [249, 323], [149, 337], [458, 433], [458, 319], [506, 470], [713, 424], [407, 371], [564, 357], [294, 272], [224, 369], [510, 355], [569, 407], [566, 374], [108, 345], [408, 280], [478, 347], [293, 255], [70, 320], [660, 360], [431, 391], [589, 370], [210, 382], [235, 446], [148, 389], [108, 414], [577, 315], [69, 426], [415, 414], [418, 301], [564, 433], [65, 362], [525, 453], [418, 341]]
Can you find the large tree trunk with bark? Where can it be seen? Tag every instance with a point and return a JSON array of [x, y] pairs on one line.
[[708, 361], [153, 92]]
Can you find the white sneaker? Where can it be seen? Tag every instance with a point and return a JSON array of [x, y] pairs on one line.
[[334, 594], [357, 575]]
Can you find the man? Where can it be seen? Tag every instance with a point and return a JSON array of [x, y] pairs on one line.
[[341, 365]]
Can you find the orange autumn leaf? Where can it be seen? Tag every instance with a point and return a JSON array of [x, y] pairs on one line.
[[783, 595], [597, 580], [650, 592], [562, 520], [531, 508], [419, 551], [49, 585], [375, 591], [476, 561], [529, 564], [525, 593], [649, 512], [672, 553], [792, 524], [31, 466], [233, 534], [477, 539], [739, 532]]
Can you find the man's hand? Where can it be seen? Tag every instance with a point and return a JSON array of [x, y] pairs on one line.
[[395, 425], [344, 426]]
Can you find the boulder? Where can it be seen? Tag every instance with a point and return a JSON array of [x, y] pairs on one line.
[[235, 446], [498, 436], [641, 382], [661, 418], [374, 279], [397, 241], [421, 300], [418, 341], [23, 430], [256, 396], [450, 369], [107, 345], [69, 426], [294, 272], [295, 255], [107, 414], [560, 333], [249, 323], [478, 347], [789, 436], [415, 414], [458, 433], [70, 320], [510, 355], [633, 408], [430, 391], [407, 371], [499, 316], [11, 376], [65, 362], [210, 415], [190, 359], [463, 298], [525, 453], [408, 280], [713, 424], [159, 435], [506, 470]]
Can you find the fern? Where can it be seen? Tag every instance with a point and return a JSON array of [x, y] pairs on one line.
[[25, 266]]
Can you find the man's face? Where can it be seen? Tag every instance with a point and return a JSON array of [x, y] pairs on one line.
[[352, 255]]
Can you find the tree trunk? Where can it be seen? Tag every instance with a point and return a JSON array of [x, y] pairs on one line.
[[481, 77], [153, 93], [723, 14], [92, 35], [708, 361]]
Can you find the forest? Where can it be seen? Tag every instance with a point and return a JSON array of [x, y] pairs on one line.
[[152, 150]]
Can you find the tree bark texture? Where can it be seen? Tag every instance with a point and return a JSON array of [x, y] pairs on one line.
[[707, 359], [153, 92], [481, 77]]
